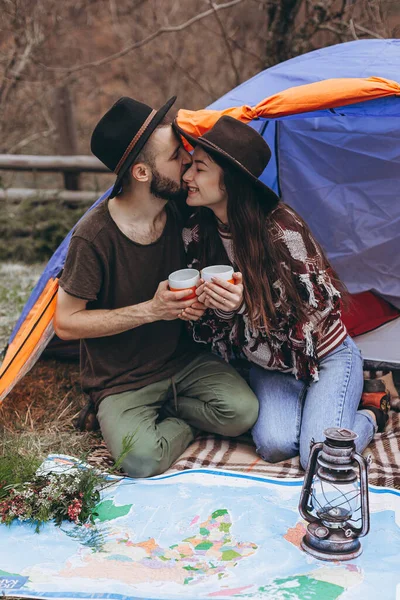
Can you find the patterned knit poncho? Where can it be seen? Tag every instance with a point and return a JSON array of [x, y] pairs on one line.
[[289, 346]]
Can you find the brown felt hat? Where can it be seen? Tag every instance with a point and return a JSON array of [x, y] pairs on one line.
[[122, 132], [241, 146]]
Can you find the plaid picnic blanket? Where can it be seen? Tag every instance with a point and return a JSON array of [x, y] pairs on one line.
[[238, 454]]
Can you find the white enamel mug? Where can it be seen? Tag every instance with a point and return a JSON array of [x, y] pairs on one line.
[[224, 272], [184, 279]]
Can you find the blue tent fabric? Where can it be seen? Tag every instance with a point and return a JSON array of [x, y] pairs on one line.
[[340, 168], [363, 58], [342, 176]]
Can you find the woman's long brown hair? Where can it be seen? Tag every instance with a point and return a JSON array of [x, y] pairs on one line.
[[260, 260]]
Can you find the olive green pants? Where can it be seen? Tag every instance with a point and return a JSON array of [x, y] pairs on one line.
[[163, 417]]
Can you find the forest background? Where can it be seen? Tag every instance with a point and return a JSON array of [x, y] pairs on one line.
[[85, 54]]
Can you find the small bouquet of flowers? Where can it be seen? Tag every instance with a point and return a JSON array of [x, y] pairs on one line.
[[35, 492], [71, 495]]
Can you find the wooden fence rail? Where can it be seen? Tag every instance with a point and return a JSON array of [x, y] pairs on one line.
[[67, 198], [70, 166], [27, 162]]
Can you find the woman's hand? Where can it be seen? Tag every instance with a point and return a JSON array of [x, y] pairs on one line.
[[221, 294]]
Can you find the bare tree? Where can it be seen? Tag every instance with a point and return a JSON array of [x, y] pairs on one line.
[[299, 26], [150, 49]]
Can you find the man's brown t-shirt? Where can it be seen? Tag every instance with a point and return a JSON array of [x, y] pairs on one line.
[[111, 271]]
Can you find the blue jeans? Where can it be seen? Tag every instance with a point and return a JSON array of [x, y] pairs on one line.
[[293, 412]]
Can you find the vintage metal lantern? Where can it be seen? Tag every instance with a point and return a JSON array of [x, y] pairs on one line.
[[334, 498]]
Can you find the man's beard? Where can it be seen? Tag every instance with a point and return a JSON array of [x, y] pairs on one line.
[[166, 188]]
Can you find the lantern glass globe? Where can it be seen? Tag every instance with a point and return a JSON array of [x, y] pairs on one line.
[[335, 504]]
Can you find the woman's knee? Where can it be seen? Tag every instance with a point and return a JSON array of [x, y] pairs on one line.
[[276, 431], [273, 445]]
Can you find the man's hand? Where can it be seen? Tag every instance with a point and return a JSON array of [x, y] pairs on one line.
[[167, 305], [72, 321], [221, 294]]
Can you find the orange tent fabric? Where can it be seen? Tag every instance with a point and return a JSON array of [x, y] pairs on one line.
[[330, 93], [30, 341]]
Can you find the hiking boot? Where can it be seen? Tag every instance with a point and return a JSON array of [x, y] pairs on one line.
[[376, 399], [87, 419]]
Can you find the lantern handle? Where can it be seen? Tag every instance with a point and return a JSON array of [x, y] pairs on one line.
[[362, 463], [308, 477]]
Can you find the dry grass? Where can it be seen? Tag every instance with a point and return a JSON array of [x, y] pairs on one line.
[[37, 417], [42, 407]]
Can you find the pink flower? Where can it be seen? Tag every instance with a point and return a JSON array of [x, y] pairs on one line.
[[74, 510]]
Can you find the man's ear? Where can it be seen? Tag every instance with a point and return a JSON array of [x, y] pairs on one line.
[[141, 172]]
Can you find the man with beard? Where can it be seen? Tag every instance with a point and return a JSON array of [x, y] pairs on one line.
[[147, 381]]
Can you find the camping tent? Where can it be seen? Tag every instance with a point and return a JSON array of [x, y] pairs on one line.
[[332, 120]]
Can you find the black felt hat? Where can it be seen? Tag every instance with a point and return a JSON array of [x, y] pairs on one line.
[[241, 146], [122, 132]]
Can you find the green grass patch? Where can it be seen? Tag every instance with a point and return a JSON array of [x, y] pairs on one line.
[[30, 231]]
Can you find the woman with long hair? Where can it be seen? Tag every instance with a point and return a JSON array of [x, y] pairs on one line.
[[283, 311]]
